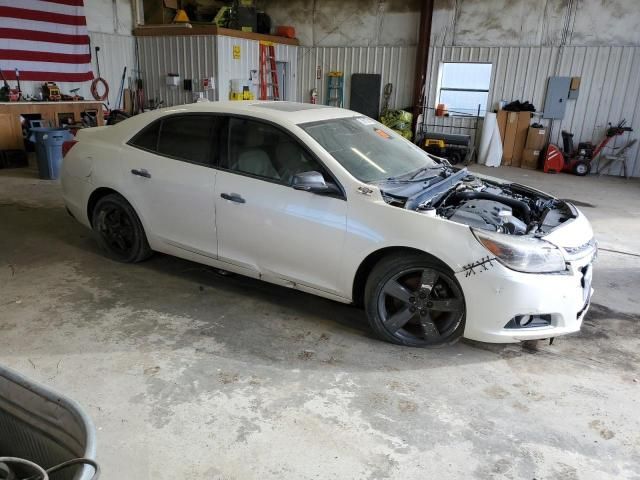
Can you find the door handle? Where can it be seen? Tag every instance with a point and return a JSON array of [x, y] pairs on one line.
[[234, 197], [141, 173]]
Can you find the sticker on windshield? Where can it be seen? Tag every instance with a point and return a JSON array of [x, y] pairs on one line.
[[382, 133], [366, 121]]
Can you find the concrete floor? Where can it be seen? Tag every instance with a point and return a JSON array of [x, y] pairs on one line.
[[188, 374]]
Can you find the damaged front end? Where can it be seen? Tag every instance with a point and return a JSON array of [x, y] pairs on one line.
[[524, 229], [529, 274], [484, 204]]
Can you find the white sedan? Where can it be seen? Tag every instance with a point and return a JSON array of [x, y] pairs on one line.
[[333, 203]]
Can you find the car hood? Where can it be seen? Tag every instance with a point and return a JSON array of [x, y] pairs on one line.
[[483, 202]]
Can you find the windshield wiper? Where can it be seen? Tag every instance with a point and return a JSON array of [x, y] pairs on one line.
[[418, 180], [424, 169], [407, 181], [412, 176]]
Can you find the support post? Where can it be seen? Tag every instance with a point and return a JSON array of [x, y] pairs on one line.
[[422, 58]]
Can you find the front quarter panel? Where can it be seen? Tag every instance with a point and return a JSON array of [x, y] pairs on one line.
[[373, 225]]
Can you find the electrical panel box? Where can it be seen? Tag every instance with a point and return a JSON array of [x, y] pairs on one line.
[[365, 94], [555, 102], [173, 79]]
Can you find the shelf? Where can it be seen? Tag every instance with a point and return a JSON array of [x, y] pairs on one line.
[[183, 29]]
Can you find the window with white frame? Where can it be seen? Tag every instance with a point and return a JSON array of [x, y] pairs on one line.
[[464, 87]]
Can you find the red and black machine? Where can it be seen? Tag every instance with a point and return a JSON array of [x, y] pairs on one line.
[[578, 160], [10, 94]]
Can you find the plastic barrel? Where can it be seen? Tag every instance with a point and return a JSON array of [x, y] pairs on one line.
[[49, 150]]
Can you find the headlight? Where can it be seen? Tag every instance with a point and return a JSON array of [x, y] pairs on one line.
[[523, 254]]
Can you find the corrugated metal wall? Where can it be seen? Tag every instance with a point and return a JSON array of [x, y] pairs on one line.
[[192, 57], [116, 52], [230, 68], [395, 64], [610, 88]]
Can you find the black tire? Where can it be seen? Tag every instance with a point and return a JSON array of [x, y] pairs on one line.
[[581, 168], [432, 310], [119, 231], [455, 158]]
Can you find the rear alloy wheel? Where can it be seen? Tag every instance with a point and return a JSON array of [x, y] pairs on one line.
[[411, 300], [119, 231]]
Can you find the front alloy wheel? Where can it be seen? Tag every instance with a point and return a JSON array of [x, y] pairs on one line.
[[414, 301]]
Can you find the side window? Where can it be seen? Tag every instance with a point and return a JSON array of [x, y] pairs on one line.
[[148, 138], [265, 151], [188, 137]]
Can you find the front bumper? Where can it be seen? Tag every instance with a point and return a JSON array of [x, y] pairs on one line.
[[495, 294]]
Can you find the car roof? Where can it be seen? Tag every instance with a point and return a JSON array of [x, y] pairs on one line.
[[287, 114], [278, 111]]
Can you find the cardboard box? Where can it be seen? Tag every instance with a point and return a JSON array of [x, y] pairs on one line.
[[509, 140], [522, 128], [575, 83], [530, 159], [536, 138], [502, 123], [515, 136]]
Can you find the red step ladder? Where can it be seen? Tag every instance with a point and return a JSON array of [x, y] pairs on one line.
[[268, 68]]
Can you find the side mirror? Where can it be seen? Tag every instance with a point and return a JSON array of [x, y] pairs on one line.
[[313, 182]]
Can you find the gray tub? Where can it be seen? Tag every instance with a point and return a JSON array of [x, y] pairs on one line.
[[41, 425]]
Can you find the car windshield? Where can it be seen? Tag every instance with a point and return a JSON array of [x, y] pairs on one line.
[[370, 151]]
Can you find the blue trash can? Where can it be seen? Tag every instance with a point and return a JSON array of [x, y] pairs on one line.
[[49, 150]]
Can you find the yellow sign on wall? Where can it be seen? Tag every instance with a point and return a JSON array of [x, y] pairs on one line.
[[236, 52]]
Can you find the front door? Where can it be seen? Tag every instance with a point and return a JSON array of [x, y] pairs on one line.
[[266, 226], [171, 181]]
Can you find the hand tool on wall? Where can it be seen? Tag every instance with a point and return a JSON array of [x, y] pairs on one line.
[[118, 104], [388, 90], [99, 81], [5, 90], [19, 90]]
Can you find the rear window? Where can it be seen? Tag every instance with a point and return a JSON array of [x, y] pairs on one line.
[[192, 138], [148, 138], [188, 137]]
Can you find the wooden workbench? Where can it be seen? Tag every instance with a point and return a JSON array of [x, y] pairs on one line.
[[50, 112]]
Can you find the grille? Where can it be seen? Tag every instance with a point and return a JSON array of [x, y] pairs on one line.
[[582, 250]]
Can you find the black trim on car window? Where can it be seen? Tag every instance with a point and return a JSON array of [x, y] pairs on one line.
[[155, 124], [215, 161], [213, 153], [225, 153]]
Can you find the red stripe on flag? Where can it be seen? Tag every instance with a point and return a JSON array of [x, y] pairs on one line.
[[49, 76], [15, 34], [28, 56], [73, 3], [25, 14]]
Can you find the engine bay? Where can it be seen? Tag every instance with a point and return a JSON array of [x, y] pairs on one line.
[[510, 208]]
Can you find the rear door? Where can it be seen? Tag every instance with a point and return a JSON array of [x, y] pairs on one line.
[[171, 181]]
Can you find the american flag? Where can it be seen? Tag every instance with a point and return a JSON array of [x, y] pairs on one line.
[[46, 40]]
